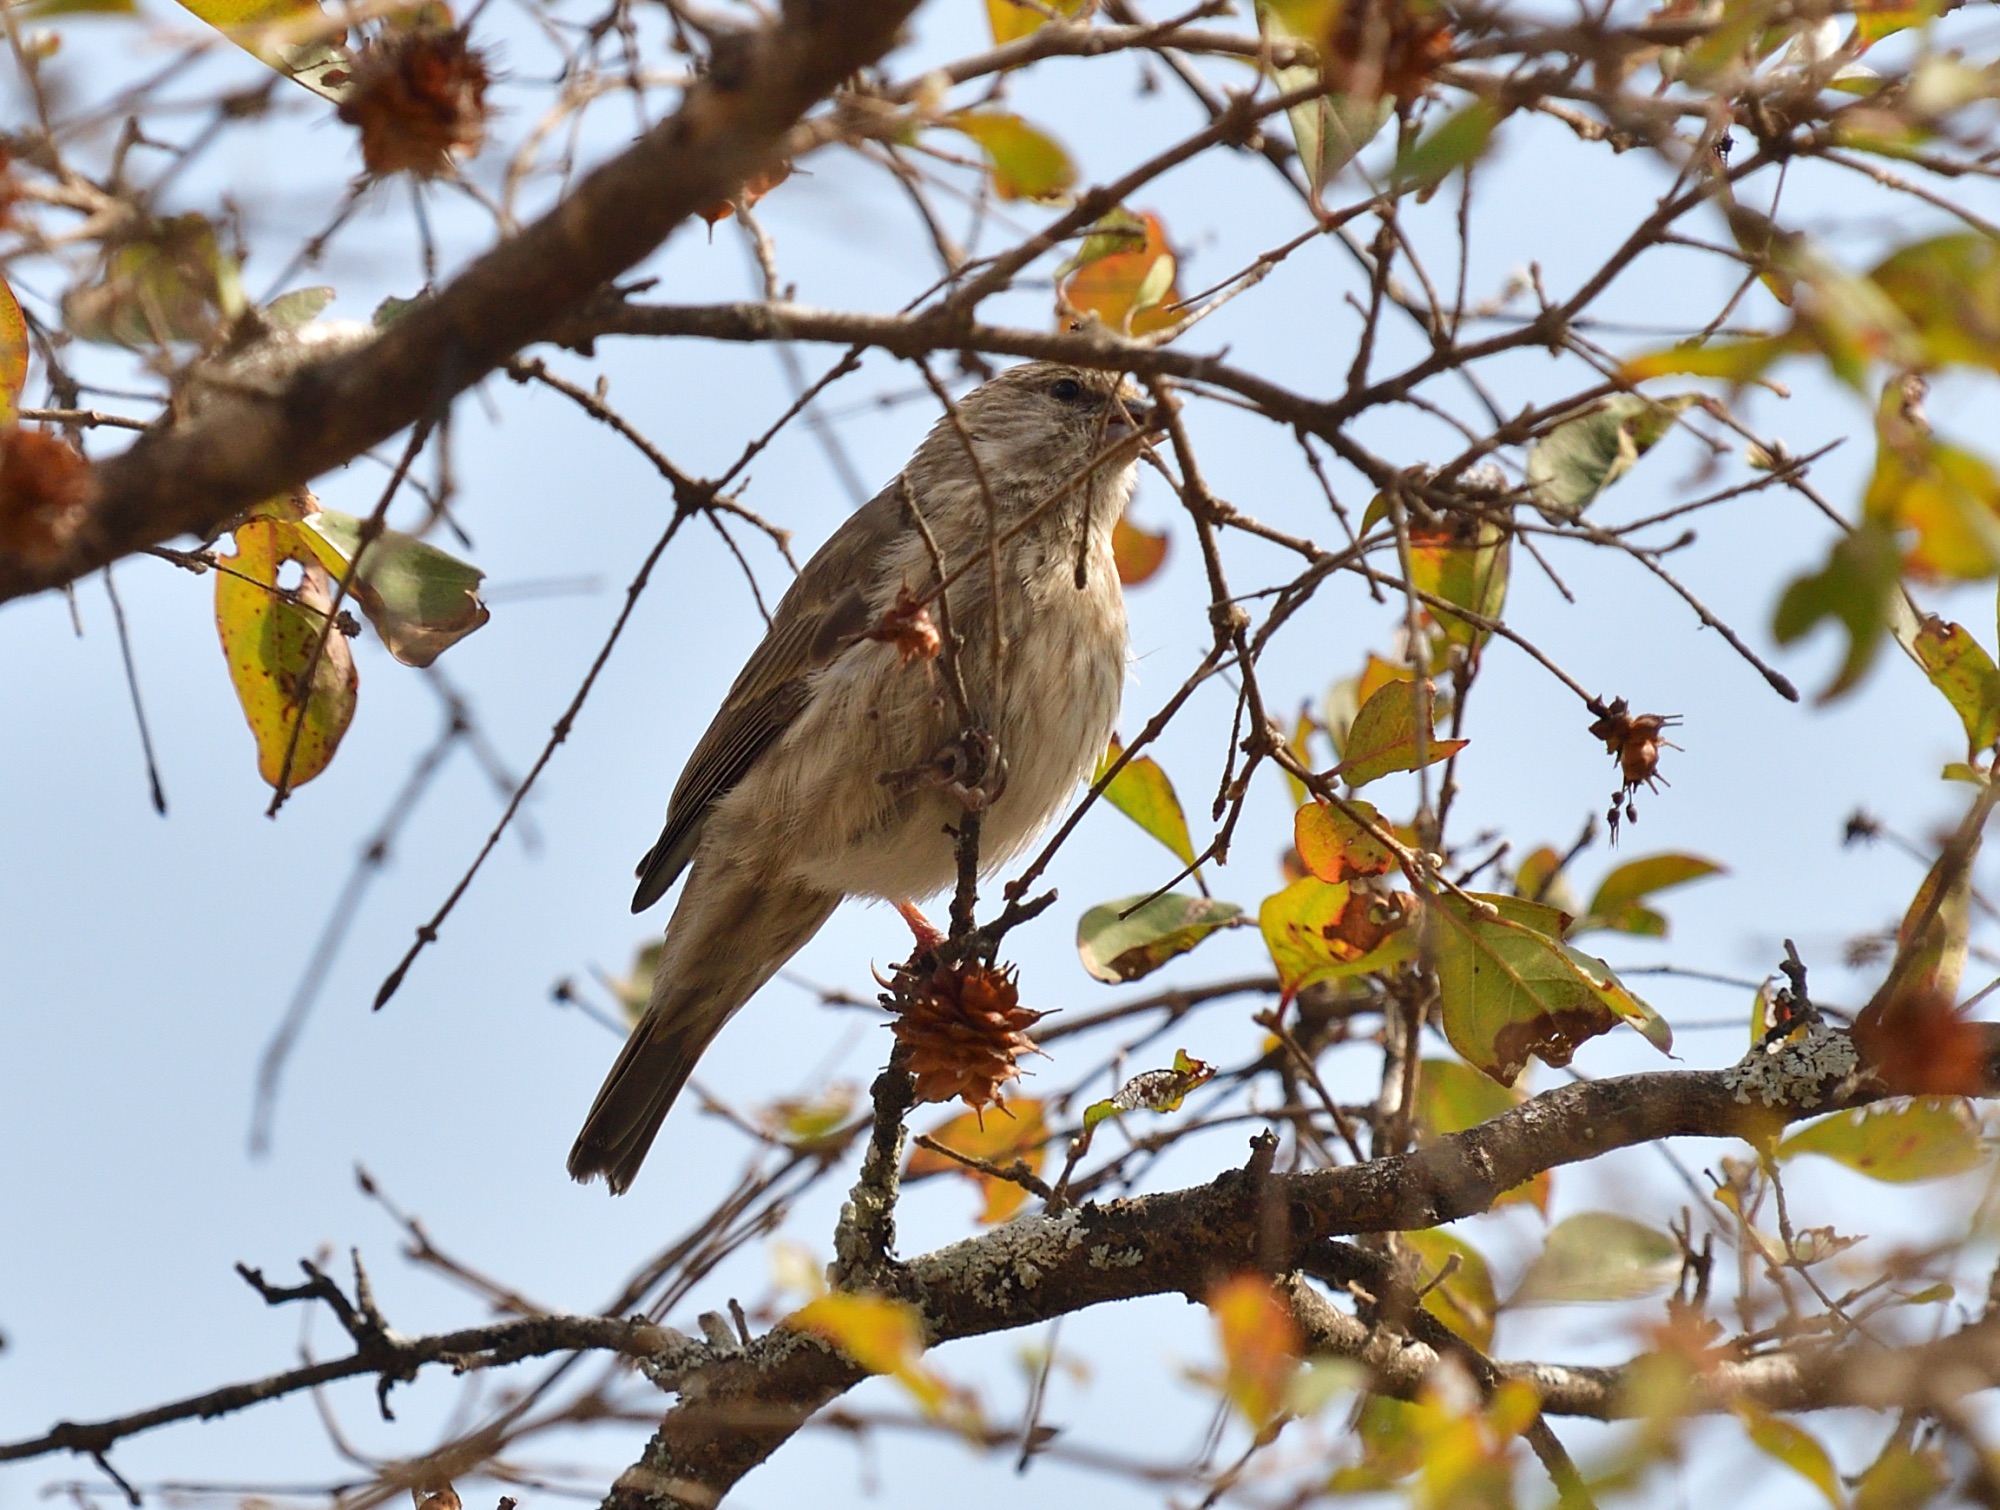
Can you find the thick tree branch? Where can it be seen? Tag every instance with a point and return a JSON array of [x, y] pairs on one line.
[[255, 440]]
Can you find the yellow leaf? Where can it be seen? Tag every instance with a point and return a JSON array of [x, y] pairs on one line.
[[1011, 21], [13, 353], [268, 634], [883, 1336], [1027, 162], [1319, 931], [1142, 792], [1139, 553]]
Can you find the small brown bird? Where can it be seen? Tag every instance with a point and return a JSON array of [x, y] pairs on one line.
[[827, 772]]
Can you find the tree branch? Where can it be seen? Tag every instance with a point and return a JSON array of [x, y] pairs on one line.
[[253, 440]]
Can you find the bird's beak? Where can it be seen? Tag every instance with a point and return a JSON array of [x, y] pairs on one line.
[[1130, 416]]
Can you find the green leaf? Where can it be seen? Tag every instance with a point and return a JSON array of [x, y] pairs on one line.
[[1510, 988], [420, 600], [1453, 1096], [1459, 140], [1901, 1480], [1853, 589], [1614, 907], [1117, 949], [1335, 847], [1027, 162], [1389, 734], [168, 281], [1329, 131], [1317, 931], [1464, 1299], [1960, 668], [1576, 461], [1464, 563], [268, 636], [1899, 1142], [291, 310], [13, 354], [1598, 1255], [1142, 792], [1797, 1449]]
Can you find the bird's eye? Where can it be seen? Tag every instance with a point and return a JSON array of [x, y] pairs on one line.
[[1068, 390]]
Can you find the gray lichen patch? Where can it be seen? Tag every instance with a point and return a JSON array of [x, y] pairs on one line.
[[1793, 1072], [998, 1267]]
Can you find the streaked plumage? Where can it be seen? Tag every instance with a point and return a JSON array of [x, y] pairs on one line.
[[782, 809]]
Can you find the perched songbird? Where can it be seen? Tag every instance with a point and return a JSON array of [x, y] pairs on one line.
[[830, 770]]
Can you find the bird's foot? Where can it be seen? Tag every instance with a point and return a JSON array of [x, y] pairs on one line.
[[970, 770]]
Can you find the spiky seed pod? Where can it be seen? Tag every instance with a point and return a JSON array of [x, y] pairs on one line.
[[965, 1030], [419, 100]]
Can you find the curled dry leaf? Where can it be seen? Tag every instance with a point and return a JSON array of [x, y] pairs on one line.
[[44, 488], [755, 187], [966, 1031], [418, 98]]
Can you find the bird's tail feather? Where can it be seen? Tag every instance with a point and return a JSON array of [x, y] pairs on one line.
[[730, 933]]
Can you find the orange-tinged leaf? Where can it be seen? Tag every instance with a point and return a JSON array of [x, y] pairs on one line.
[[1392, 733], [1027, 162], [1925, 1138], [1465, 565], [1000, 1136], [1139, 553], [268, 636], [1260, 1345], [1463, 1299], [1010, 21], [884, 1336], [1335, 847], [13, 354], [1317, 930], [1123, 273]]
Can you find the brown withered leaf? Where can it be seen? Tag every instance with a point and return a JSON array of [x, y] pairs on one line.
[[755, 187]]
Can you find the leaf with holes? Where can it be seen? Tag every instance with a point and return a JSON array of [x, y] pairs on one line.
[[1899, 1142], [1392, 733], [1510, 987], [420, 600], [1116, 949], [1599, 1255], [268, 634], [1317, 930], [1027, 162], [1000, 1136]]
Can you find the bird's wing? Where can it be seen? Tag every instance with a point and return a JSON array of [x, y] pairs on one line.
[[825, 609]]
